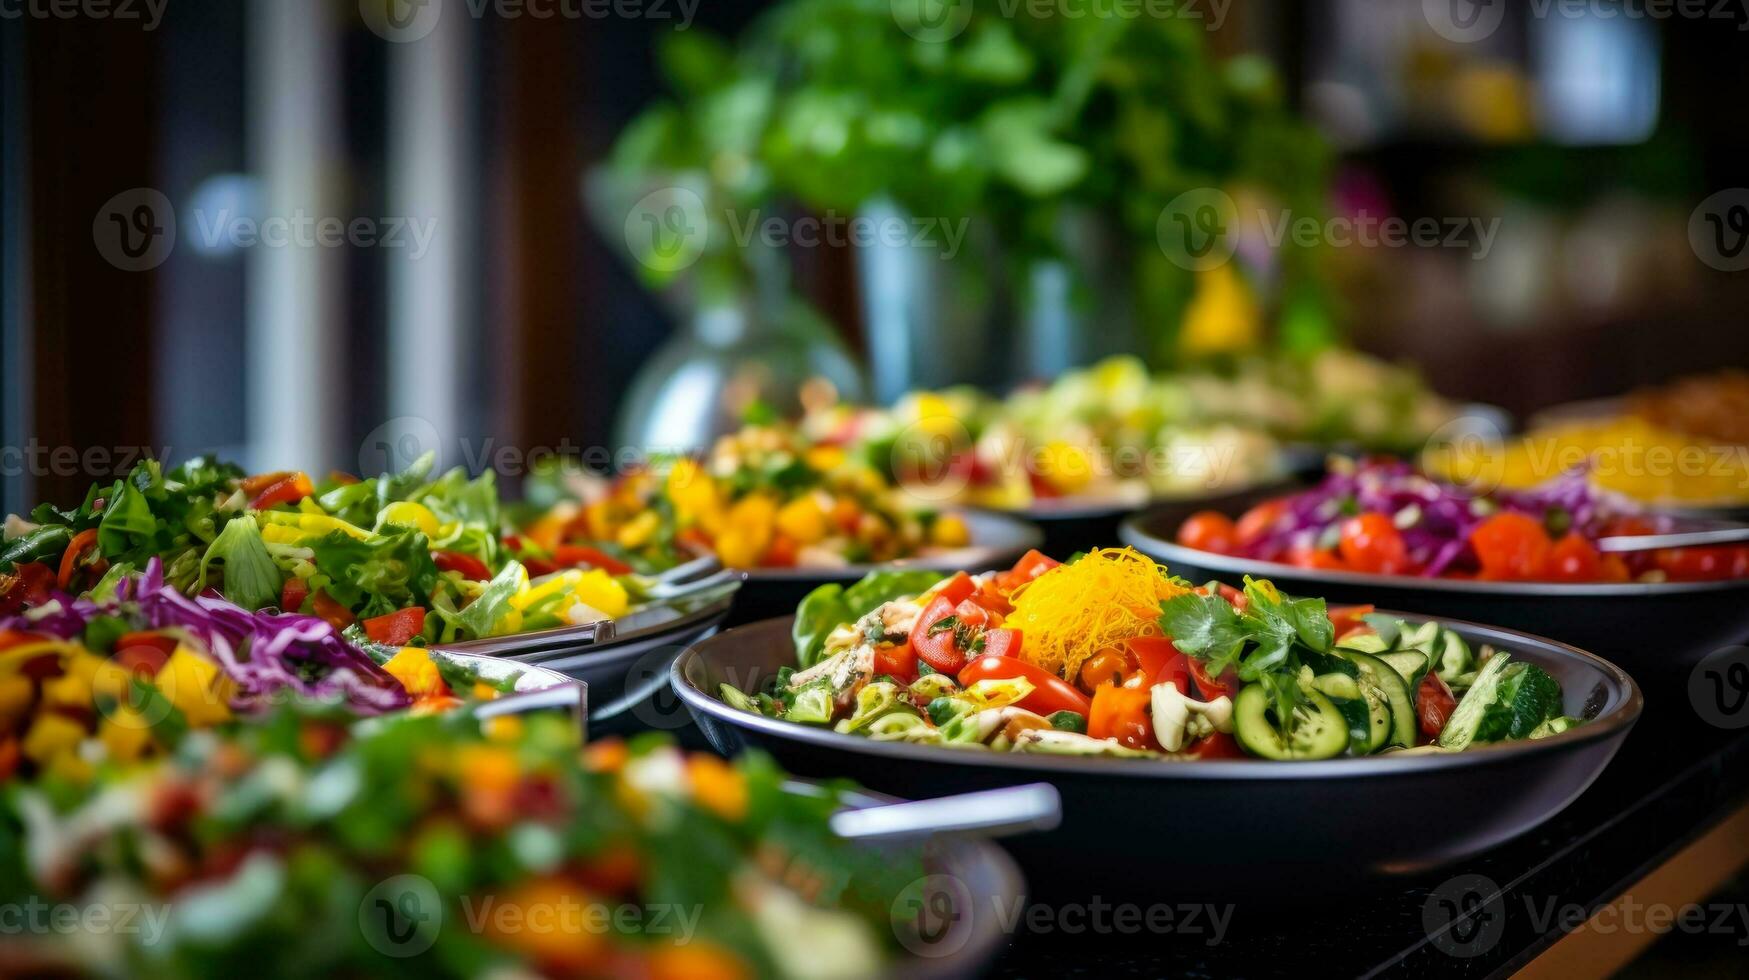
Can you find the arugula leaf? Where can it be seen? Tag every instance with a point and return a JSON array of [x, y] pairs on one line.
[[252, 580]]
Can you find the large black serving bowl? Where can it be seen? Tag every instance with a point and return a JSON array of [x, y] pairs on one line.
[[997, 541], [1657, 629], [1235, 829]]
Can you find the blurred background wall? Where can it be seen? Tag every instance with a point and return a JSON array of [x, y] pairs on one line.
[[470, 292]]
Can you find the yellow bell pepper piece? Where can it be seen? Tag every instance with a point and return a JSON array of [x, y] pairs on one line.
[[69, 690], [639, 530], [950, 531], [16, 693], [197, 688], [126, 734], [406, 513], [528, 596], [1066, 467], [416, 671], [717, 786], [311, 525], [746, 534], [1223, 315], [803, 519], [602, 591], [824, 459], [51, 733], [693, 492]]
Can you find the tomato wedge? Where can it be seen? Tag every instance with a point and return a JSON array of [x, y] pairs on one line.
[[1434, 704], [469, 566], [1347, 619], [937, 642], [1050, 692], [82, 542], [957, 589], [577, 554], [1218, 745], [1002, 642], [1122, 713], [899, 660], [1030, 566], [396, 629]]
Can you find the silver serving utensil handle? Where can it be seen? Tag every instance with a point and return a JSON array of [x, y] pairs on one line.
[[690, 570], [1679, 539], [989, 813], [669, 591]]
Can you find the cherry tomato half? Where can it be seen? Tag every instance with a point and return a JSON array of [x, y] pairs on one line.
[[1573, 559], [1257, 522], [1208, 530], [1371, 543], [1434, 704], [1511, 547]]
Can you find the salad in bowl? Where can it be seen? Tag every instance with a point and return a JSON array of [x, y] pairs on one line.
[[1110, 655]]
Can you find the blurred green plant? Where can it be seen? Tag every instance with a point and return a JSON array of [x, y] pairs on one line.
[[1023, 116]]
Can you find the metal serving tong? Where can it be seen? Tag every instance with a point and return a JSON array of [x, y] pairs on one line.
[[989, 813], [1731, 534]]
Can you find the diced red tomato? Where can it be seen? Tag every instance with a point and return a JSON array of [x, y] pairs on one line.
[[1030, 566], [1348, 619], [333, 612], [571, 554], [1434, 704], [84, 541], [289, 489], [1371, 543], [957, 589], [1511, 547], [469, 566], [293, 593], [939, 648], [1573, 559], [1318, 558], [1235, 597], [1259, 520], [1210, 686], [1050, 692], [900, 661], [782, 553], [1151, 655], [396, 629], [1122, 713], [28, 585], [1216, 745], [1002, 643], [1209, 530]]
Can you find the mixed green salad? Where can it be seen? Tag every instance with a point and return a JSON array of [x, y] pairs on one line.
[[1109, 655], [440, 846], [408, 557]]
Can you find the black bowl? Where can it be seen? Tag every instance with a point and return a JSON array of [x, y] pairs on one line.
[[1230, 829], [623, 673], [1658, 629], [997, 541]]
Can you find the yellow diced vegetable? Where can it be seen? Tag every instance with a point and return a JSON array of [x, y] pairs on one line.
[[824, 459], [803, 519], [51, 733], [1065, 467], [950, 531], [197, 688], [416, 671], [16, 692], [598, 589], [126, 734], [406, 513], [693, 493], [639, 530]]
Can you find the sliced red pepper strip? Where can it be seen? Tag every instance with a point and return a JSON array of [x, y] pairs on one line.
[[293, 488], [469, 566], [396, 629], [293, 593], [578, 554], [82, 542], [328, 609]]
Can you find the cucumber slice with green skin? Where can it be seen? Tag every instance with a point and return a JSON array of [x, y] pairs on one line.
[[1411, 665], [1374, 728], [1455, 658], [1381, 679], [1554, 726], [1328, 663], [1364, 642], [1319, 729], [1466, 719], [1528, 696], [1421, 637]]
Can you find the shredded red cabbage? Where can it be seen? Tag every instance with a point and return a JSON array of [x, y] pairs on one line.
[[1435, 518], [268, 655]]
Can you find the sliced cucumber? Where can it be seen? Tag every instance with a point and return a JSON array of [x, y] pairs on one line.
[[1421, 637], [1358, 713], [1319, 730], [1466, 719], [1338, 685], [1381, 679], [1455, 658], [1410, 665], [1364, 642], [1328, 663]]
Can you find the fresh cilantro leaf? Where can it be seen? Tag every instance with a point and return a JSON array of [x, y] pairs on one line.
[[1206, 627]]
